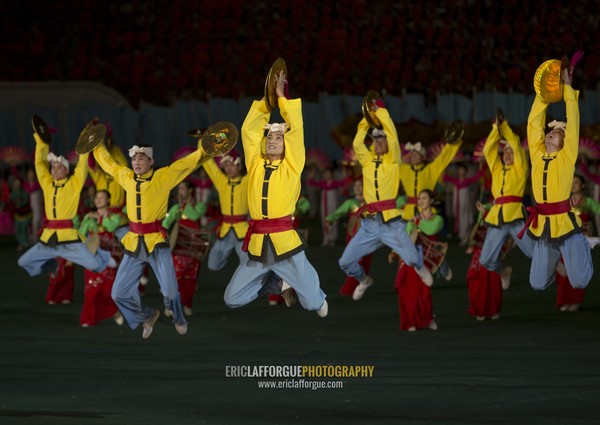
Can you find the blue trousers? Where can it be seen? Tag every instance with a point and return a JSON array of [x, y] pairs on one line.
[[576, 254], [252, 279], [125, 291], [220, 251], [494, 239], [34, 259], [373, 233]]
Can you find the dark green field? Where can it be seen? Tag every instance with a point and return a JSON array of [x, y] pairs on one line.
[[535, 365]]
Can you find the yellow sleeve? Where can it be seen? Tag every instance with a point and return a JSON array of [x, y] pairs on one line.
[[215, 174], [360, 149], [42, 168], [536, 122], [253, 130], [514, 142], [439, 165], [391, 135], [180, 169], [490, 149], [295, 154], [571, 142], [110, 166], [81, 170]]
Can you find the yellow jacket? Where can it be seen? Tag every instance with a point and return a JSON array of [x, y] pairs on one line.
[[233, 197], [274, 186], [104, 181], [415, 178], [506, 180], [380, 173], [552, 174], [147, 195], [61, 197]]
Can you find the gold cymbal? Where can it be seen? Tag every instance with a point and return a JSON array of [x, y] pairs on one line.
[[219, 138], [454, 132], [91, 136], [271, 85], [547, 81], [367, 109], [41, 129]]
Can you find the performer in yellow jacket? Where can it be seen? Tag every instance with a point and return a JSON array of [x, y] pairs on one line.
[[507, 214], [147, 192], [104, 181], [275, 250], [59, 237], [382, 223], [232, 188], [554, 226], [418, 175]]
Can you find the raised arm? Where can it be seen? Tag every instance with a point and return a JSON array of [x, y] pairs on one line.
[[110, 166], [439, 164], [514, 142], [536, 123], [81, 169], [180, 169], [42, 169], [490, 149], [215, 174], [571, 142], [391, 134], [253, 130], [295, 153], [360, 149]]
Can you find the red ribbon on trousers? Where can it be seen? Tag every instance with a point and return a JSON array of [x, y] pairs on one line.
[[549, 208], [269, 225]]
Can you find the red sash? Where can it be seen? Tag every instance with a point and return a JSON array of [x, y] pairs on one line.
[[269, 225], [145, 228], [58, 224], [233, 219], [412, 200], [549, 208], [379, 206], [507, 200]]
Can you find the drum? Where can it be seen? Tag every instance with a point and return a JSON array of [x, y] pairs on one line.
[[190, 242], [109, 243], [434, 251], [477, 235], [477, 238]]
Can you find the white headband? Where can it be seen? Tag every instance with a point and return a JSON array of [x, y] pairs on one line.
[[558, 125], [415, 147], [377, 133], [227, 157], [146, 150], [277, 127], [60, 159]]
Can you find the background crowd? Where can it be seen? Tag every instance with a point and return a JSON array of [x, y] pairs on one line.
[[161, 52]]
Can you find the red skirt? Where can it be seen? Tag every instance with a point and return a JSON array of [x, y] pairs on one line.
[[565, 293], [62, 285], [414, 299], [485, 289], [97, 302], [186, 271]]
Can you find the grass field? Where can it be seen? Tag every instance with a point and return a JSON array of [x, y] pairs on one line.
[[535, 365]]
